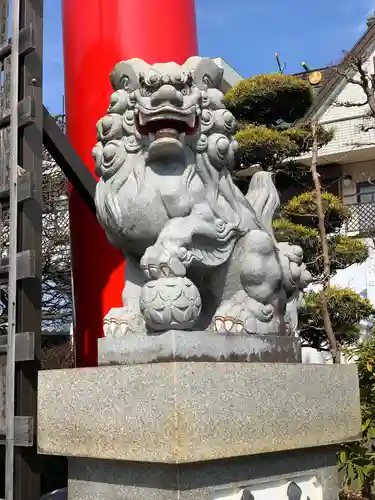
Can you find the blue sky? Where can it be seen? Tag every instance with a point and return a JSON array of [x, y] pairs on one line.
[[244, 32]]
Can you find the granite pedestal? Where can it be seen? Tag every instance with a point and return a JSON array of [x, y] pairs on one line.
[[202, 430]]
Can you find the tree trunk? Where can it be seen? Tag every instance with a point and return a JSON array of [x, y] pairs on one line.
[[325, 250]]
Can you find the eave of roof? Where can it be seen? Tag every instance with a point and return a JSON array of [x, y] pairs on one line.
[[338, 75], [231, 76], [326, 73]]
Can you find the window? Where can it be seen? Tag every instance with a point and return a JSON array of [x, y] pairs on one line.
[[365, 192], [362, 214]]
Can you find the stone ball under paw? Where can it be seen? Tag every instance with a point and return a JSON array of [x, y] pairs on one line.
[[170, 303]]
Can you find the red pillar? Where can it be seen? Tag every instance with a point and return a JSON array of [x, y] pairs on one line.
[[98, 34]]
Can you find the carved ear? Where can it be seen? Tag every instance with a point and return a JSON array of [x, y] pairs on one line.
[[123, 76], [207, 74]]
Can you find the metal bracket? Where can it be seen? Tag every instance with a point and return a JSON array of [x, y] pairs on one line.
[[23, 432], [25, 346], [26, 189], [25, 266], [26, 41], [26, 113]]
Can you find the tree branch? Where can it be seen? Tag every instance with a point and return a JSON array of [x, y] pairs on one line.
[[325, 248]]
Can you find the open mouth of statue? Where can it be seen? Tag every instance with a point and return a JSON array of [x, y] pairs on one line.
[[166, 127]]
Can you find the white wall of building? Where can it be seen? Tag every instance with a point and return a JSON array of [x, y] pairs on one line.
[[346, 121]]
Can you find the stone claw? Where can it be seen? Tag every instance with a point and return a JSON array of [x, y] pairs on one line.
[[115, 328], [159, 262], [227, 324], [120, 322]]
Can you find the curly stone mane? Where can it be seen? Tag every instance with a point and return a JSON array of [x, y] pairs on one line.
[[122, 153]]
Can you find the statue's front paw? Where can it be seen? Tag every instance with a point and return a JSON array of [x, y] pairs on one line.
[[242, 314], [229, 318], [120, 322], [160, 261]]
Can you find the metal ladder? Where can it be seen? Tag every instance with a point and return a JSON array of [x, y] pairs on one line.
[[20, 196]]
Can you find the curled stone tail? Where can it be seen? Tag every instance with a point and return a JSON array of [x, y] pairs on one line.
[[264, 198]]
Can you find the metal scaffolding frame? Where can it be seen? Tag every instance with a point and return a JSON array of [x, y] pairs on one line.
[[25, 125], [21, 124]]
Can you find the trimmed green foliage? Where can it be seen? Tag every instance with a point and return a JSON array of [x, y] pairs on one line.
[[266, 107], [344, 250], [302, 209], [269, 147], [302, 136], [296, 234], [264, 146], [267, 99], [346, 309]]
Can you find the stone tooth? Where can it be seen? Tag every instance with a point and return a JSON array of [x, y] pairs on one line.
[[191, 120], [167, 132]]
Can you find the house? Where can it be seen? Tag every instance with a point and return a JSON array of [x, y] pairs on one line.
[[347, 163], [349, 159], [230, 75]]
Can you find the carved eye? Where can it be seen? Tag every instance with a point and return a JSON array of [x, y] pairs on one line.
[[153, 78], [185, 91], [109, 152], [222, 146], [228, 119], [145, 92], [107, 123]]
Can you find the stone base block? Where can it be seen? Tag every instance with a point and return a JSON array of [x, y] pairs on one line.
[[190, 412], [179, 345], [297, 475]]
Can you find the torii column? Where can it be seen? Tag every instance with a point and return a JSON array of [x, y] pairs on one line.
[[97, 34]]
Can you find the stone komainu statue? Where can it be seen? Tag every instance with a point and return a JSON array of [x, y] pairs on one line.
[[200, 255]]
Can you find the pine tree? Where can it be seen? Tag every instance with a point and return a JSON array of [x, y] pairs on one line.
[[271, 135]]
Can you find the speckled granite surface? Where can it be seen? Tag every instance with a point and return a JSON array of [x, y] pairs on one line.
[[188, 412]]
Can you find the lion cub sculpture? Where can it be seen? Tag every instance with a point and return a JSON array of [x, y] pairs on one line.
[[200, 255]]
